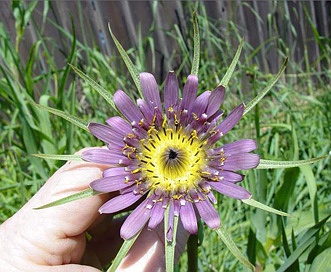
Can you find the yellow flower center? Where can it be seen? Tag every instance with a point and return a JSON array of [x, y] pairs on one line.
[[171, 159]]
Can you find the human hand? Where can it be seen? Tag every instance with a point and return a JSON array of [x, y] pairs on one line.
[[54, 239]]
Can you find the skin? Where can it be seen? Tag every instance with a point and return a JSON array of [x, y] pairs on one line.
[[54, 239]]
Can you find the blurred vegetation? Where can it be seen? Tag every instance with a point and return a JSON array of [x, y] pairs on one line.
[[292, 122]]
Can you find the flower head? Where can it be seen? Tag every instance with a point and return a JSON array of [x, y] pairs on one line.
[[166, 155]]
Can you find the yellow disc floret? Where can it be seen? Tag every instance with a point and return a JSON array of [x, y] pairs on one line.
[[172, 159]]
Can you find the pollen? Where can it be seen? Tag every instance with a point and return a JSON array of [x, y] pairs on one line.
[[172, 159]]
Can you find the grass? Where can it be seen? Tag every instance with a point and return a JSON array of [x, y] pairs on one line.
[[292, 122]]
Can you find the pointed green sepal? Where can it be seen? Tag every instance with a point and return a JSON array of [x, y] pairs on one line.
[[59, 157], [264, 207], [270, 84], [196, 46], [72, 119], [231, 245], [101, 90], [125, 57], [269, 164], [170, 245], [83, 194], [127, 244], [225, 80]]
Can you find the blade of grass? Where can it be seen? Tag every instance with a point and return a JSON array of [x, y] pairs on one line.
[[312, 188], [306, 240], [62, 99]]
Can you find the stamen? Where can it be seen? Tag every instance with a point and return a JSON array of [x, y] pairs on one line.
[[172, 154], [172, 159]]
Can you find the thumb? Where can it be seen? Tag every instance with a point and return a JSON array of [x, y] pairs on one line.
[[69, 268], [71, 218]]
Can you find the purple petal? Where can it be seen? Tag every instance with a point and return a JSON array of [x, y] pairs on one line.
[[177, 206], [109, 184], [170, 91], [127, 107], [238, 147], [211, 197], [105, 156], [241, 162], [215, 117], [210, 171], [189, 92], [188, 218], [231, 120], [147, 111], [135, 221], [215, 100], [230, 189], [156, 216], [132, 140], [231, 176], [150, 90], [119, 203], [105, 133], [119, 125], [208, 214], [138, 130], [214, 137], [115, 171], [200, 104]]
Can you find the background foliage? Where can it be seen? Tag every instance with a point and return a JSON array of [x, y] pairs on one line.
[[292, 122]]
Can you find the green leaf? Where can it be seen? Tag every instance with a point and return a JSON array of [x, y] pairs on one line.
[[269, 164], [102, 91], [264, 207], [225, 80], [59, 157], [127, 244], [196, 46], [72, 119], [322, 262], [83, 194], [270, 84], [231, 245], [125, 57]]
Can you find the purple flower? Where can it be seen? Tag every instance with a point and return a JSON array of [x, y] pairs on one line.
[[165, 155]]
